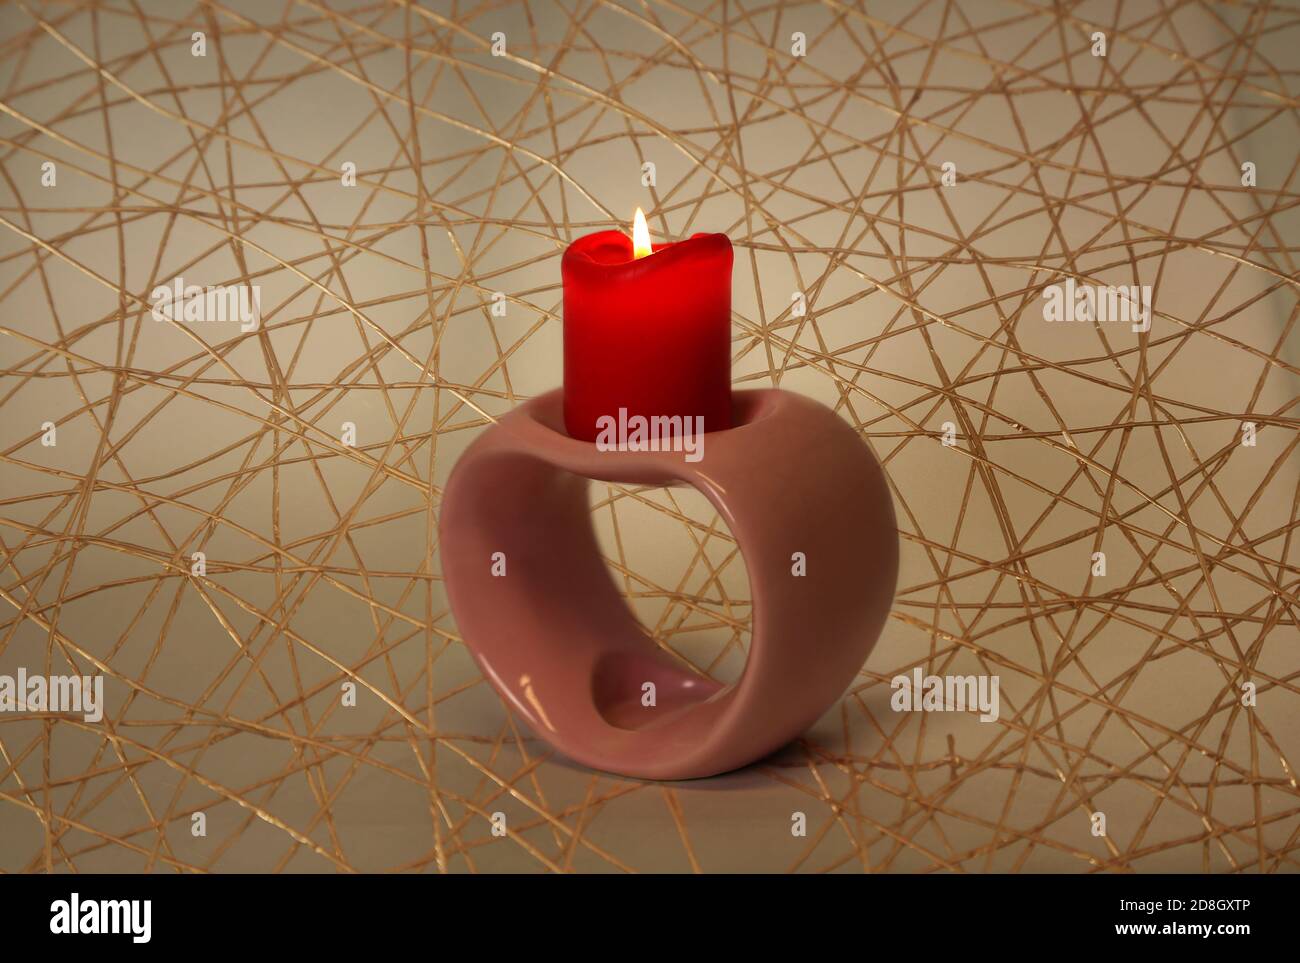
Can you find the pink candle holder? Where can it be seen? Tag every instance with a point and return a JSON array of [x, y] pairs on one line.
[[558, 642]]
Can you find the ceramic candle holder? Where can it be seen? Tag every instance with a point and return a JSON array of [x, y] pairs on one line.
[[557, 640]]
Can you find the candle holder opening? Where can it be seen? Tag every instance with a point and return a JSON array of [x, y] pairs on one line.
[[747, 408]]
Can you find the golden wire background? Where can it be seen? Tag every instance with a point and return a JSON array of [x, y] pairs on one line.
[[1120, 693]]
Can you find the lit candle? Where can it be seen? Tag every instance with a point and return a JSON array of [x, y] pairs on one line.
[[647, 328]]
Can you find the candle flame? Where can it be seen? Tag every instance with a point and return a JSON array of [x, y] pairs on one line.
[[640, 236]]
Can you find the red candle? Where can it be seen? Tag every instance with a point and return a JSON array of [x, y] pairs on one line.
[[650, 334]]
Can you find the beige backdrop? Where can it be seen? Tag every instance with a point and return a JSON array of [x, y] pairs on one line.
[[1121, 694]]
